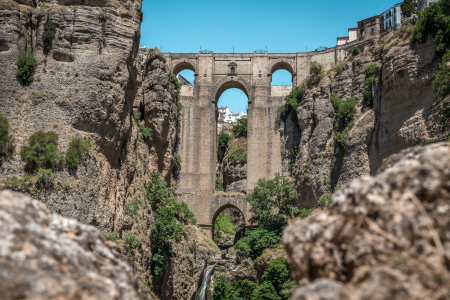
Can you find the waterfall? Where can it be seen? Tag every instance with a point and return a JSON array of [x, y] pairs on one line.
[[206, 277]]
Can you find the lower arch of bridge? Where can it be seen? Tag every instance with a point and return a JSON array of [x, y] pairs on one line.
[[221, 209]]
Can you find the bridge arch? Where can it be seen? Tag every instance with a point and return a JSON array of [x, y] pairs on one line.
[[225, 84], [282, 65], [184, 65], [240, 233]]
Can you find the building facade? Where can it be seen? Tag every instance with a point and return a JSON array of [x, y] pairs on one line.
[[392, 18], [370, 28], [227, 116], [422, 4]]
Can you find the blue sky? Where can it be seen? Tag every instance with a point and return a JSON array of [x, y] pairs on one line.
[[249, 25]]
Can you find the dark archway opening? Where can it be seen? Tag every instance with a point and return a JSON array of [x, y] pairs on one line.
[[229, 226]]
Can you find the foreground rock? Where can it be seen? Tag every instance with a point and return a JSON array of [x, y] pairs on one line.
[[46, 256], [386, 237]]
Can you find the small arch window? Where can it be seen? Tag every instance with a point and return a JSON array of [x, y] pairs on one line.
[[233, 70]]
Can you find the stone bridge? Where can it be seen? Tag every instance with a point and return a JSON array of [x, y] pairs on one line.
[[214, 74]]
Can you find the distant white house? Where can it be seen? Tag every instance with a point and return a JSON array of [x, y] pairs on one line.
[[229, 117], [422, 4]]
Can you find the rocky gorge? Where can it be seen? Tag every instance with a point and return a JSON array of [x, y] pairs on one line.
[[93, 227]]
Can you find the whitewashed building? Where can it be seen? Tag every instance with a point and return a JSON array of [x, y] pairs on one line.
[[422, 4], [227, 116]]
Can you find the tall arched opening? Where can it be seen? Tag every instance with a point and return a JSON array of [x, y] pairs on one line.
[[231, 138]]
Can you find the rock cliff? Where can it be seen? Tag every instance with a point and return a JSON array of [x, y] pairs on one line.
[[383, 237], [88, 78], [46, 256], [404, 114]]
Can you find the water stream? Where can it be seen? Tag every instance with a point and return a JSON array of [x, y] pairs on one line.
[[206, 278]]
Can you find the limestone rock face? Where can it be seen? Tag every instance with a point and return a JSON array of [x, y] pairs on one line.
[[386, 237], [404, 114], [46, 256]]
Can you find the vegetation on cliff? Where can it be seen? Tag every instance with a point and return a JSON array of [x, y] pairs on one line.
[[276, 285], [168, 218], [370, 76], [272, 203], [78, 150], [344, 112], [240, 128], [292, 102], [408, 7], [26, 66], [41, 150], [7, 146]]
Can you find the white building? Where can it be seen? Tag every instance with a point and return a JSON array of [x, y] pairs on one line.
[[392, 18], [229, 117]]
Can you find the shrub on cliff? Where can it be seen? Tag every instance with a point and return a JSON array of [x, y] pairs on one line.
[[278, 271], [77, 151], [442, 81], [434, 20], [408, 7], [223, 140], [6, 140], [176, 162], [316, 73], [26, 66], [256, 241], [41, 150], [219, 185], [168, 218], [370, 76], [273, 202], [292, 102], [265, 291], [240, 128], [223, 225]]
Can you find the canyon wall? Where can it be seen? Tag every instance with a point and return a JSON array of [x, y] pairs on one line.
[[404, 114]]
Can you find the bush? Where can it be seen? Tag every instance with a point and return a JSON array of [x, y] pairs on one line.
[[442, 81], [265, 291], [355, 51], [292, 102], [325, 199], [42, 150], [167, 214], [256, 241], [434, 20], [238, 154], [7, 146], [26, 66], [219, 185], [223, 140], [78, 150], [340, 138], [131, 242], [45, 179], [294, 153], [136, 115], [370, 76], [304, 213], [48, 36], [272, 199], [316, 74], [408, 7], [113, 236], [340, 68], [132, 208], [145, 133], [344, 110], [176, 85], [221, 290], [278, 271], [240, 128], [176, 162]]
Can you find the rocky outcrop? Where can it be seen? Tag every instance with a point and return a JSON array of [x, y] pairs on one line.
[[404, 114], [385, 237], [88, 81], [46, 256]]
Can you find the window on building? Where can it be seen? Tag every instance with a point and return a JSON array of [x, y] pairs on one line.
[[232, 69]]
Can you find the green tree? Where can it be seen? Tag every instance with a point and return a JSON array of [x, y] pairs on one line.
[[278, 272], [316, 73], [219, 185], [26, 66], [256, 241], [265, 291], [442, 81], [78, 149], [240, 128], [273, 202], [223, 140], [223, 225], [292, 102], [41, 150], [220, 288], [6, 140], [408, 7], [370, 76], [246, 288]]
